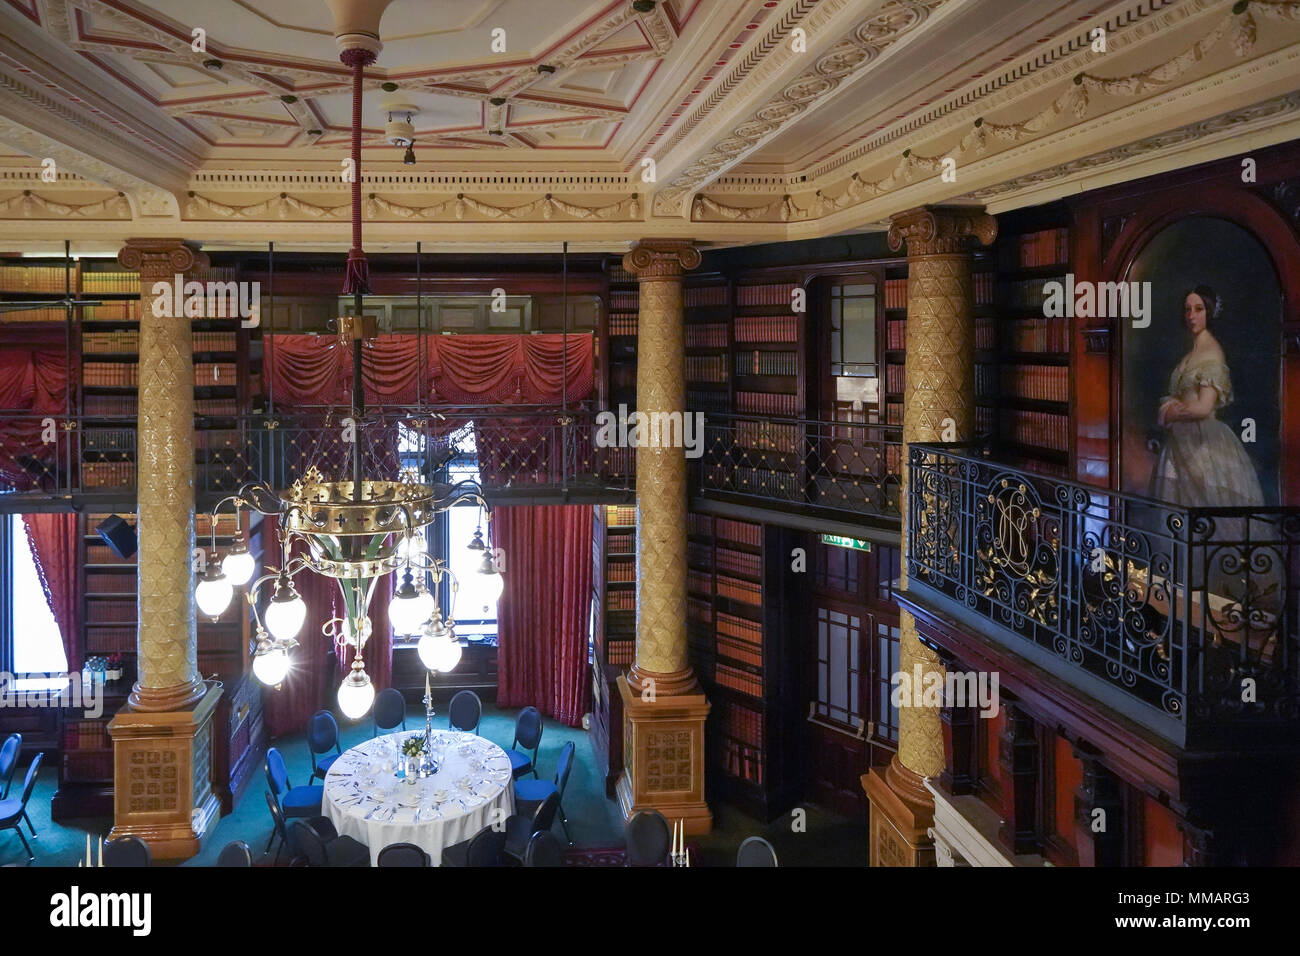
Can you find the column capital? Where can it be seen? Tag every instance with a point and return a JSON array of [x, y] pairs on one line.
[[661, 258], [939, 230], [160, 258]]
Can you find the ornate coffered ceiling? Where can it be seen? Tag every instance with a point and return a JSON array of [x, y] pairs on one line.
[[726, 121]]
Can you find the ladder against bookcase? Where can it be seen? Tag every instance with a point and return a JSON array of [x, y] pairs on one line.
[[613, 638]]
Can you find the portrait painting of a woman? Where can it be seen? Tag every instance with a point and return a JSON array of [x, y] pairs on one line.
[[1202, 462]]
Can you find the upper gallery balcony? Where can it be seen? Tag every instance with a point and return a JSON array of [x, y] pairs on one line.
[[1184, 620]]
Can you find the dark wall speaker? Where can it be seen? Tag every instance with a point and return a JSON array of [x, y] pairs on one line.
[[118, 535]]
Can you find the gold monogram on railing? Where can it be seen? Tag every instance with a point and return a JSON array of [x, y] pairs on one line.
[[1010, 569], [1014, 523]]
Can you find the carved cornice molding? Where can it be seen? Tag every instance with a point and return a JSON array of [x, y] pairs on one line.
[[30, 205], [505, 179], [941, 230], [657, 259], [380, 209], [864, 44]]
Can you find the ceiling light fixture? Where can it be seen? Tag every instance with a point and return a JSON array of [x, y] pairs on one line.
[[409, 157]]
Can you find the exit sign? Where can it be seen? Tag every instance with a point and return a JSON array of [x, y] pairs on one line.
[[839, 541]]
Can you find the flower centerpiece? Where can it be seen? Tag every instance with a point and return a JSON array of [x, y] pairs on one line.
[[412, 749]]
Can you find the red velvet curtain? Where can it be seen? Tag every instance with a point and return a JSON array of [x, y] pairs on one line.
[[53, 538], [454, 369], [33, 384], [544, 612], [312, 683]]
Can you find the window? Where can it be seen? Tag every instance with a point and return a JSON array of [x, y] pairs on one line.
[[839, 673], [33, 643], [888, 637], [853, 331], [472, 609]]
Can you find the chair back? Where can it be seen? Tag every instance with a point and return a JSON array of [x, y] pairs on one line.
[[564, 766], [126, 851], [402, 854], [9, 753], [276, 774], [755, 851], [486, 847], [528, 729], [277, 815], [29, 782], [306, 843], [235, 854], [465, 712], [544, 815], [544, 850], [389, 710], [322, 732], [648, 837]]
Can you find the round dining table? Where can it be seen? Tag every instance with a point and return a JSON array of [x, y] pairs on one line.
[[367, 800]]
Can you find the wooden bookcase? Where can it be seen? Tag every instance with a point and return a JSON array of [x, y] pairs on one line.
[[613, 631], [738, 625], [894, 354], [1033, 352]]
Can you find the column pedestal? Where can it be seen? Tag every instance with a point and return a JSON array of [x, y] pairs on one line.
[[663, 757], [162, 777]]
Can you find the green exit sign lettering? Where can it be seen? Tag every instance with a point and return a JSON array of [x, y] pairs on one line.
[[839, 541]]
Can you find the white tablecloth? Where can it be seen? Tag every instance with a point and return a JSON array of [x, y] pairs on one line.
[[365, 800]]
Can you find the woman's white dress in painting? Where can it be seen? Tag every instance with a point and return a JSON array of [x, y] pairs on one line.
[[1203, 463]]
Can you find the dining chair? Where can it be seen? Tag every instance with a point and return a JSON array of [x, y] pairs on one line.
[[9, 754], [529, 793], [294, 801], [389, 711], [465, 712], [14, 809], [127, 851], [402, 854], [322, 734], [235, 854], [482, 849], [528, 734], [648, 838], [544, 850], [755, 851], [307, 843], [520, 827]]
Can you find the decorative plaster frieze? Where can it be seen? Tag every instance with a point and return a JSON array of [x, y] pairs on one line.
[[379, 209]]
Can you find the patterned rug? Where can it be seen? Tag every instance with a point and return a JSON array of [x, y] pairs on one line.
[[596, 856]]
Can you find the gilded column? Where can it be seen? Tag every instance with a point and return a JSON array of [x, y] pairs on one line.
[[664, 710], [162, 738], [168, 675], [938, 405]]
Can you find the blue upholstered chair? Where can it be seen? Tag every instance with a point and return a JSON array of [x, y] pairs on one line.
[[530, 793], [307, 842], [648, 838], [521, 826], [294, 801], [235, 854], [755, 851], [9, 754], [528, 735], [14, 809], [482, 849], [127, 851], [465, 712], [322, 734], [389, 711], [544, 850]]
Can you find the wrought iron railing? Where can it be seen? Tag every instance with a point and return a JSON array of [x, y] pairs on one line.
[[516, 448], [1184, 619], [851, 467]]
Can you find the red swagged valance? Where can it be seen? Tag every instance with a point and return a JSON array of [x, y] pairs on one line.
[[457, 369], [33, 384]]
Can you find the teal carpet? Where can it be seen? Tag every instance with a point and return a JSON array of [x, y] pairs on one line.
[[594, 821]]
